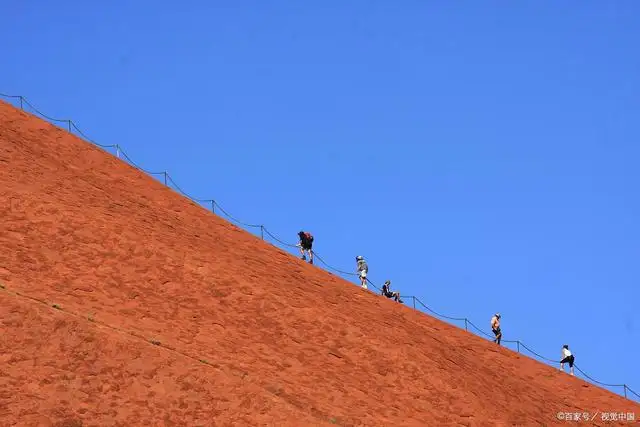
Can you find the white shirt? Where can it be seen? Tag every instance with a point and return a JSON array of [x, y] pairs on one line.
[[495, 322], [565, 353]]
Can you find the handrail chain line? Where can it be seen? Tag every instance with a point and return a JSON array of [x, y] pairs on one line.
[[23, 99], [263, 229], [235, 219], [180, 190], [540, 356], [135, 165], [629, 388], [82, 134], [278, 240]]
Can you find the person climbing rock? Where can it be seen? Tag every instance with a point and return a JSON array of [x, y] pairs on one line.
[[495, 327], [363, 269], [567, 357], [305, 244], [387, 292]]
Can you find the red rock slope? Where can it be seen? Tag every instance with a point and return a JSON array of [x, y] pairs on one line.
[[168, 315]]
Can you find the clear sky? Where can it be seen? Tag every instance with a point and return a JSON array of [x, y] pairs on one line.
[[481, 155]]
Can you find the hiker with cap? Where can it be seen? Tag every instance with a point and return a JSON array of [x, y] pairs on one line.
[[305, 244], [387, 292], [495, 327], [362, 270], [567, 357]]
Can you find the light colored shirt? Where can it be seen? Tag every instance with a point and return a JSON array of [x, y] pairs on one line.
[[565, 353], [495, 323]]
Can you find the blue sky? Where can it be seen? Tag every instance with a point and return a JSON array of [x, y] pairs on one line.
[[482, 156]]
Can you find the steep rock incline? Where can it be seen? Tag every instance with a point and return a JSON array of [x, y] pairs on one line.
[[91, 234], [58, 368]]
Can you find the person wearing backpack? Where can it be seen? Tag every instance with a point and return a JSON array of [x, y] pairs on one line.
[[305, 244]]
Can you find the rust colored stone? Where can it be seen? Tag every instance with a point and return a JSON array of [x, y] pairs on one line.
[[167, 315]]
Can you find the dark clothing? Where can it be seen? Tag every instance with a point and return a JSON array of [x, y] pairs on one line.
[[498, 333], [390, 294], [569, 359], [306, 241], [386, 292]]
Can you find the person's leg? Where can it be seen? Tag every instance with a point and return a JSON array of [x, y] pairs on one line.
[[310, 254], [305, 249], [363, 279], [563, 361], [571, 360]]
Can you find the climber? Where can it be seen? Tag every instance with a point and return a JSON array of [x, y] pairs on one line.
[[567, 357], [495, 327], [305, 244], [363, 269], [386, 291]]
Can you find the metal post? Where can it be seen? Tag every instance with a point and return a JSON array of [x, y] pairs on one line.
[[117, 151], [69, 125], [262, 232], [625, 390], [414, 302], [165, 178], [466, 328], [213, 206], [518, 342], [21, 106]]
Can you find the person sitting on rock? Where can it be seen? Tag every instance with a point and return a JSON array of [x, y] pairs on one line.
[[387, 292]]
